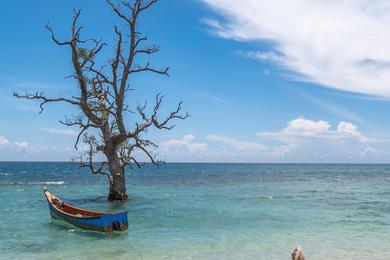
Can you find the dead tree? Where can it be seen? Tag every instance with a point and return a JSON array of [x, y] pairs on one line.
[[102, 97]]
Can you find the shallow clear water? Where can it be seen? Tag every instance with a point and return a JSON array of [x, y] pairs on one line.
[[203, 211]]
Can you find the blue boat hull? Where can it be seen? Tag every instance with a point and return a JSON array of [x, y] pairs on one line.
[[104, 222]]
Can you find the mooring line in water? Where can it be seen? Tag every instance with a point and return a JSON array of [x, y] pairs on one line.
[[136, 250]]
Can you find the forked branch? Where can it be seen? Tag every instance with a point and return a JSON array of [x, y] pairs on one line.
[[43, 99]]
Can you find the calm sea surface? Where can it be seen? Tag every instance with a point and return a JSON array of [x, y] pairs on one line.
[[203, 211]]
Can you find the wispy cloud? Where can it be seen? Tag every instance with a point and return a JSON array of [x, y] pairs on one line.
[[23, 150], [31, 85], [187, 143], [211, 97], [3, 141], [20, 104], [60, 131], [228, 150], [302, 140], [21, 146], [333, 108], [267, 56], [339, 44], [237, 144]]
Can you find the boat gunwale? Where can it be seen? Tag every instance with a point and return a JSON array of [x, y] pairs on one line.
[[101, 214]]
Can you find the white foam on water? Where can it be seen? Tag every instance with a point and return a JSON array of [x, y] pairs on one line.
[[48, 183], [54, 182]]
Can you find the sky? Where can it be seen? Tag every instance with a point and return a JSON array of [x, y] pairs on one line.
[[277, 81]]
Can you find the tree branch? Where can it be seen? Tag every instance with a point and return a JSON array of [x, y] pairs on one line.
[[148, 68], [116, 9], [152, 120], [90, 153], [44, 99]]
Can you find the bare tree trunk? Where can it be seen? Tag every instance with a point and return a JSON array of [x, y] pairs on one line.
[[116, 176], [117, 179]]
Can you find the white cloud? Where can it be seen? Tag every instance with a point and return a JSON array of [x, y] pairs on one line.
[[301, 127], [237, 144], [187, 142], [3, 141], [343, 44], [351, 130], [21, 146], [67, 132], [307, 127], [305, 140]]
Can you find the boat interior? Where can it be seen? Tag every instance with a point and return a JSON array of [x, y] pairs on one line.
[[68, 209]]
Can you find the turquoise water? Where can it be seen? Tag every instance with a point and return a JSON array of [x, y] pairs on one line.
[[203, 211]]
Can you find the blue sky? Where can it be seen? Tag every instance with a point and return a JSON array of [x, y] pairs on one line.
[[264, 82]]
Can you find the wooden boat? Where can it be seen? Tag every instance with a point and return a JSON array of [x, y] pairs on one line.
[[86, 219]]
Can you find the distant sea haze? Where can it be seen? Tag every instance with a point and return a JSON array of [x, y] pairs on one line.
[[203, 211]]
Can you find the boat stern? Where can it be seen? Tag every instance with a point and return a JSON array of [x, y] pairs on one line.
[[116, 222]]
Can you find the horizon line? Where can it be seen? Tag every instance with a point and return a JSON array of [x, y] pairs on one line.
[[329, 163]]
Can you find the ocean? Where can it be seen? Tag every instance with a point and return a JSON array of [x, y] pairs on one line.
[[202, 211]]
